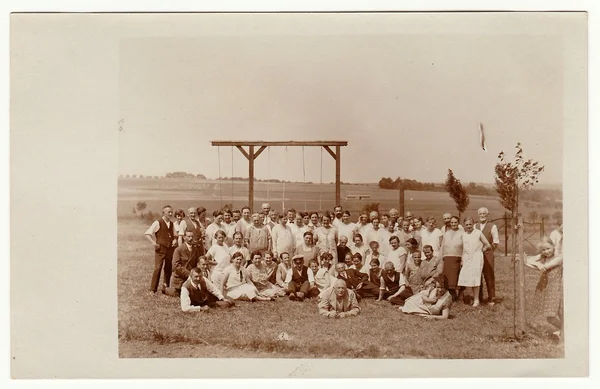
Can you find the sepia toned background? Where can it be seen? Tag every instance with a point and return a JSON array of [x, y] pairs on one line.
[[64, 160]]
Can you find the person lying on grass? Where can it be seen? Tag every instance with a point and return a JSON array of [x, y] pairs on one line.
[[237, 285], [199, 294], [338, 302], [431, 303]]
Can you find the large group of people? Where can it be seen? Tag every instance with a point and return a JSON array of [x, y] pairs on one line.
[[405, 260]]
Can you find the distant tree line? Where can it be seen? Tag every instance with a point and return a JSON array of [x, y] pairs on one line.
[[533, 195]]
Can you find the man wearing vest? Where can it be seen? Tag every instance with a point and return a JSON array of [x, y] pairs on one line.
[[162, 236], [185, 258], [490, 231], [192, 224], [300, 281], [199, 294]]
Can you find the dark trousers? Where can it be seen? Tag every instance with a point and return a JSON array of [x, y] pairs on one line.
[[163, 257], [488, 276], [368, 289], [294, 287], [401, 298], [214, 303]]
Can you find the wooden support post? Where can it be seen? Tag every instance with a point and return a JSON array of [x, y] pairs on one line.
[[338, 190], [506, 221], [401, 200], [521, 277], [251, 178]]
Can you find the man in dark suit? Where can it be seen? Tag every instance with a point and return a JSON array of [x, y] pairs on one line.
[[356, 281], [185, 258]]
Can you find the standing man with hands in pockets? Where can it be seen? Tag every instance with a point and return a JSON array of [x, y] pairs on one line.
[[164, 239]]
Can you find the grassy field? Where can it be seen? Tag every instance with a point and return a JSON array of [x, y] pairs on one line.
[[155, 327]]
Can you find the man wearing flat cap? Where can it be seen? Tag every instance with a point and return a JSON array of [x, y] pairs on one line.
[[300, 282]]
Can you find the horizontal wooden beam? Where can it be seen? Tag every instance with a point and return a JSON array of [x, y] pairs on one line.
[[280, 143]]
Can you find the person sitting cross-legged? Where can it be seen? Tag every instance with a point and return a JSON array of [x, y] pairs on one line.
[[199, 294], [338, 302], [393, 285], [300, 281]]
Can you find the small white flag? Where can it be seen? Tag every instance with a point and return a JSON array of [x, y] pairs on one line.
[[482, 137]]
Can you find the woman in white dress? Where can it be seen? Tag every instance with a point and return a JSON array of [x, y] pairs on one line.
[[326, 237], [218, 257], [346, 227], [431, 236], [237, 285], [474, 244]]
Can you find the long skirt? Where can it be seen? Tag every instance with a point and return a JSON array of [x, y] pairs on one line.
[[549, 293], [272, 290], [451, 271], [470, 274], [242, 292]]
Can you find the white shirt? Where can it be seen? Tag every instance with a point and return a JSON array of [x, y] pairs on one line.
[[379, 236], [186, 302], [557, 239], [346, 230], [398, 258], [283, 239], [336, 222], [211, 230], [299, 235], [220, 254], [288, 276], [431, 238], [153, 229], [495, 237]]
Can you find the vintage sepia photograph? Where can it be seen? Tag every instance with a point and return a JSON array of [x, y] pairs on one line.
[[297, 194], [335, 191]]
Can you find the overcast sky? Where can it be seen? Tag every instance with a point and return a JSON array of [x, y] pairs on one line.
[[408, 104]]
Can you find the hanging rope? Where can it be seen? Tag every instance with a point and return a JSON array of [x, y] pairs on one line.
[[268, 172], [220, 180], [304, 178], [320, 191], [283, 194], [231, 179]]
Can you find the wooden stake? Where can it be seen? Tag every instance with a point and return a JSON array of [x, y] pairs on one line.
[[521, 277]]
